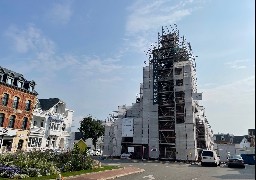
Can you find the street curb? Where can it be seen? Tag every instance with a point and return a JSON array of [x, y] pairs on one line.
[[70, 177]]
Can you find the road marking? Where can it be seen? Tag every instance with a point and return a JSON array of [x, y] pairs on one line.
[[130, 165], [150, 177], [166, 166]]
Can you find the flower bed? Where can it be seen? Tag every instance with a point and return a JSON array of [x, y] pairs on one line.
[[37, 163]]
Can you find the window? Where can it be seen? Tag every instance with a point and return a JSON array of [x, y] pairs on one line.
[[28, 105], [42, 124], [5, 99], [10, 80], [35, 123], [178, 71], [1, 119], [24, 123], [179, 82], [12, 121], [48, 142], [15, 102], [63, 127], [53, 142], [20, 144], [20, 84], [207, 153]]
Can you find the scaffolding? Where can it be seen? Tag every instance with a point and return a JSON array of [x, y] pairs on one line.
[[169, 49]]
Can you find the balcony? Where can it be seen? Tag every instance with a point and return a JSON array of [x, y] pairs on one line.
[[54, 133], [37, 130]]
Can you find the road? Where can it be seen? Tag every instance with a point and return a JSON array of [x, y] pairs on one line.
[[165, 170]]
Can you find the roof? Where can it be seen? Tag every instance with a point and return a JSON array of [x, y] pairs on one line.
[[16, 75], [238, 139], [46, 104], [223, 138]]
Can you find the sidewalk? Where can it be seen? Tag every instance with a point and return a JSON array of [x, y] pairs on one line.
[[109, 174]]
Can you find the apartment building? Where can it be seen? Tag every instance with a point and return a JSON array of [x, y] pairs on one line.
[[18, 98]]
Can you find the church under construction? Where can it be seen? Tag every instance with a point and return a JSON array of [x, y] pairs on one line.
[[166, 120]]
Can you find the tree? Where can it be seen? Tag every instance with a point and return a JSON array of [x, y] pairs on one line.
[[91, 128]]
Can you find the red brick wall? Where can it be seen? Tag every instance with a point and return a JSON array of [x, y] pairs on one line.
[[20, 112]]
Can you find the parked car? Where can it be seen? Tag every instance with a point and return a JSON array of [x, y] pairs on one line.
[[91, 152], [98, 152], [125, 156], [235, 161], [209, 157]]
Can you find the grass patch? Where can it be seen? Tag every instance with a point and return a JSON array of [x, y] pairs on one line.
[[74, 173]]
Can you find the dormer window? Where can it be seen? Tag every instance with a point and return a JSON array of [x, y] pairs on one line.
[[19, 84], [10, 81], [31, 86]]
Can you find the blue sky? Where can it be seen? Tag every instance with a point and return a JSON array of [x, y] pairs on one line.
[[90, 53]]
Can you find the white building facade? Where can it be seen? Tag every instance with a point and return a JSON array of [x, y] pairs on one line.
[[166, 121], [51, 126]]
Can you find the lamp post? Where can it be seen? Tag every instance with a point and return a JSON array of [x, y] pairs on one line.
[[143, 150]]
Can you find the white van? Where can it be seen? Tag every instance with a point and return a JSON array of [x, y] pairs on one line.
[[209, 157]]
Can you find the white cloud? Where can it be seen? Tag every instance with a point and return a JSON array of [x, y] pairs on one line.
[[30, 39], [100, 66], [60, 13], [238, 64], [43, 53], [240, 91], [111, 80], [230, 104], [146, 18]]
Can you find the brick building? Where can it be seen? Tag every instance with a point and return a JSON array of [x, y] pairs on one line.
[[18, 99]]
